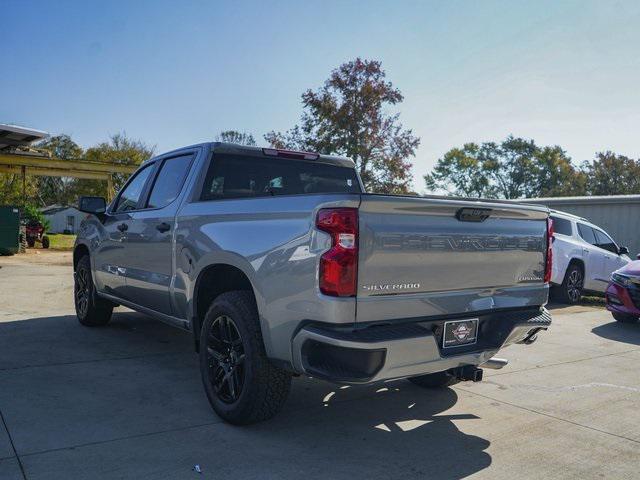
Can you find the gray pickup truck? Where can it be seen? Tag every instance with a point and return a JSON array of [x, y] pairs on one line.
[[280, 264]]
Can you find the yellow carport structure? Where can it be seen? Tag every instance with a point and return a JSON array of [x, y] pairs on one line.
[[18, 157], [28, 164]]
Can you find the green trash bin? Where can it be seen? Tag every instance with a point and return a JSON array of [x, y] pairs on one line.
[[9, 230]]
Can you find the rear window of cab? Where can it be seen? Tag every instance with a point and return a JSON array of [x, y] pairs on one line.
[[238, 176]]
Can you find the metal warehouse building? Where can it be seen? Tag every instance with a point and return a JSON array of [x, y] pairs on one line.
[[619, 215]]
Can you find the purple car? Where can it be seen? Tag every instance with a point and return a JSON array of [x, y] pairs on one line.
[[623, 293]]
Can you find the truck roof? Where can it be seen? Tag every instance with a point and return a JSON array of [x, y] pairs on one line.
[[236, 149]]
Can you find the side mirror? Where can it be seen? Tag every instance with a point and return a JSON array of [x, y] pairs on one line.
[[95, 205], [638, 256], [623, 251]]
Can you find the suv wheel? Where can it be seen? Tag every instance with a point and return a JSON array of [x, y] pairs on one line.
[[624, 318], [91, 310], [434, 380], [571, 289], [241, 384]]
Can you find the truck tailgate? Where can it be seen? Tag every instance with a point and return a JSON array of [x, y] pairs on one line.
[[422, 257]]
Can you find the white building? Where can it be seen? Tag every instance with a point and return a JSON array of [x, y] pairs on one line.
[[63, 219]]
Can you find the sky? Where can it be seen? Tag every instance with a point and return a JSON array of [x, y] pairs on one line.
[[175, 73]]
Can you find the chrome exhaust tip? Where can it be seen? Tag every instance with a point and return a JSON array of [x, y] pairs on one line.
[[496, 363]]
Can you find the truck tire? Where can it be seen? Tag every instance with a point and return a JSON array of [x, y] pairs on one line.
[[434, 380], [242, 385], [45, 242], [91, 310], [624, 317], [570, 291]]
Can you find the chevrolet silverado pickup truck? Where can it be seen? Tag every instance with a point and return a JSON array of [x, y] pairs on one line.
[[279, 264]]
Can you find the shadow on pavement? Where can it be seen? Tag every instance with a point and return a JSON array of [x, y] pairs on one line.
[[399, 428], [619, 332], [61, 339], [132, 388]]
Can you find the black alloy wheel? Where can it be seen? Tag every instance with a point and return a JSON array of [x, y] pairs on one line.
[[242, 385], [91, 310], [225, 354]]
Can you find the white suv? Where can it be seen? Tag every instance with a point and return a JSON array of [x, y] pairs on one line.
[[584, 256]]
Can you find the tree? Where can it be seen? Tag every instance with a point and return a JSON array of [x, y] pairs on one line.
[[612, 174], [233, 136], [347, 116], [556, 176], [119, 149], [511, 166], [58, 190], [61, 146], [461, 172], [11, 189], [515, 168]]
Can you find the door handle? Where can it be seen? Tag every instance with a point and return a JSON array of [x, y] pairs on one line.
[[163, 227], [123, 227]]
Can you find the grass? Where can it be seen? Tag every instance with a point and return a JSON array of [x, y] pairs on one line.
[[60, 241], [593, 300]]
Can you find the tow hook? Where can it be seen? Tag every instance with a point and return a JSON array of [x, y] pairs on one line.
[[468, 373]]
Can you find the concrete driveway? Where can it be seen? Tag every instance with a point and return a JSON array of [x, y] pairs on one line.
[[126, 401]]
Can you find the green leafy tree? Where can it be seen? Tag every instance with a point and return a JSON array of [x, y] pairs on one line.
[[348, 116], [556, 176], [514, 168], [612, 174], [511, 166], [233, 136], [11, 189], [121, 150], [461, 172], [58, 190]]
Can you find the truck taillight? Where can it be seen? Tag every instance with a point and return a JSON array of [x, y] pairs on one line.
[[549, 257], [339, 265]]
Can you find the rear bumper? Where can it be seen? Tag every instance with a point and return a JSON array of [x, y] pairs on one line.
[[384, 352]]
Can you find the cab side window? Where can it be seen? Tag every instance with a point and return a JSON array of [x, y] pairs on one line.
[[605, 242], [169, 180], [129, 197]]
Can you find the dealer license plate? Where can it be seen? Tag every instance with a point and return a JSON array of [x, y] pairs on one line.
[[460, 332]]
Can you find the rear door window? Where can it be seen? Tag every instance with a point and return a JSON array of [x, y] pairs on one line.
[[169, 180], [586, 232], [237, 176], [561, 226]]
